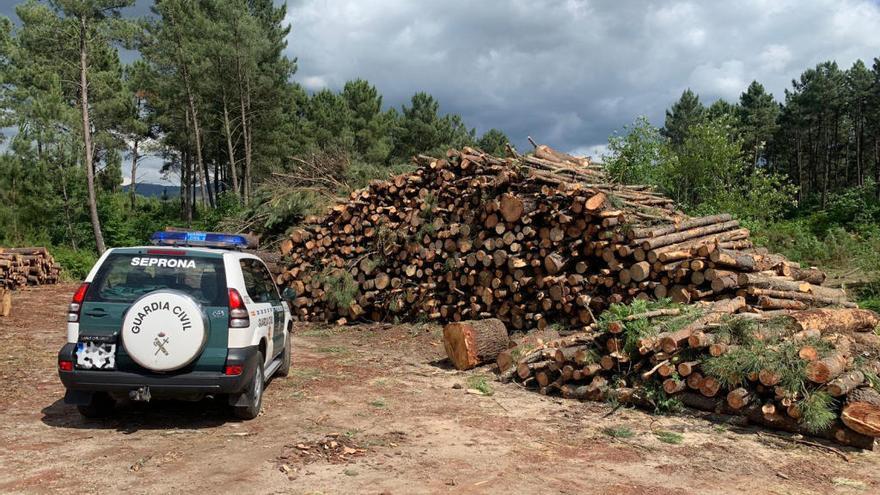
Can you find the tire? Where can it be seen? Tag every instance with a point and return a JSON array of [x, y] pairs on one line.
[[254, 395], [284, 369], [102, 406], [164, 330]]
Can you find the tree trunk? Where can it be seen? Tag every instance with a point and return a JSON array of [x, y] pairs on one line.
[[200, 168], [193, 114], [230, 148], [249, 148], [470, 343], [87, 138], [66, 204], [132, 188], [5, 302]]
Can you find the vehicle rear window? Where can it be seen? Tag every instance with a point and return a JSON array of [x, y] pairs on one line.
[[125, 277]]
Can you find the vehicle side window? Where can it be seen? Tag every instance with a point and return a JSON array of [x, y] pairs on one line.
[[269, 282], [253, 283], [258, 282]]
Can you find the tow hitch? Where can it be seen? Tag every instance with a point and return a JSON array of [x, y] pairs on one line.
[[140, 395]]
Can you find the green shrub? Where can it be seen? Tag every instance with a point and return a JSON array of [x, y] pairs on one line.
[[75, 263]]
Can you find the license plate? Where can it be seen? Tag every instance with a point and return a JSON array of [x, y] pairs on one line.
[[95, 356]]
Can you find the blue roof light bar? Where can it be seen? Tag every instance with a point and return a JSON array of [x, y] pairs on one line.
[[200, 239]]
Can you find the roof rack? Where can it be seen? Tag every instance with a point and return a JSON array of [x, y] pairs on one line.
[[216, 240]]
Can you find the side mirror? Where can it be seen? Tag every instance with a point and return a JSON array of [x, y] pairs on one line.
[[288, 293]]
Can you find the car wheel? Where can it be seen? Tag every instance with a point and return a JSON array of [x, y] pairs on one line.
[[102, 406], [284, 369], [254, 394]]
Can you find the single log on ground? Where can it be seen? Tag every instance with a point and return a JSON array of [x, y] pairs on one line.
[[471, 343], [862, 411], [5, 302]]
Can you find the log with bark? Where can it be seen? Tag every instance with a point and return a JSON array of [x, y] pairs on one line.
[[471, 343]]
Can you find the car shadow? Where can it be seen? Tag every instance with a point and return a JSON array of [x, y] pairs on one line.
[[130, 417]]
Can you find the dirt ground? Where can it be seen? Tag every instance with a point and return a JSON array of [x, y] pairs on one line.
[[374, 409]]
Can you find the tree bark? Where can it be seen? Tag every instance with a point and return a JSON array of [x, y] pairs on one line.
[[87, 137], [470, 343], [230, 148], [193, 114], [132, 188]]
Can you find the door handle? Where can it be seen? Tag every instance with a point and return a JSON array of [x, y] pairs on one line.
[[98, 313]]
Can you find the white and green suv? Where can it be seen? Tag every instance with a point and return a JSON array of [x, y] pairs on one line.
[[187, 317]]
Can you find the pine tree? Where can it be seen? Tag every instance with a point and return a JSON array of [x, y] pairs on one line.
[[493, 141], [370, 126], [757, 115], [685, 113]]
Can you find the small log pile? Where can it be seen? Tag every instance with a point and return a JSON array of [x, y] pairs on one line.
[[529, 239], [811, 372], [27, 266]]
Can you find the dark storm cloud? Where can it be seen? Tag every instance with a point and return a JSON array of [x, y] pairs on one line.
[[570, 72]]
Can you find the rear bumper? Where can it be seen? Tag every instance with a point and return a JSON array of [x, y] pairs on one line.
[[205, 382]]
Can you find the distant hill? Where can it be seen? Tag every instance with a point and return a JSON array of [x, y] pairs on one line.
[[156, 190]]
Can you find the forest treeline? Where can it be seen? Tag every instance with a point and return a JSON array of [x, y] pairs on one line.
[[206, 86], [802, 172], [210, 90]]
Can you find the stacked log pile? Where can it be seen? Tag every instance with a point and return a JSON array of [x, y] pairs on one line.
[[27, 266], [811, 372], [531, 240]]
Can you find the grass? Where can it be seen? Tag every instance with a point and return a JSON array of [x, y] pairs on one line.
[[481, 383], [317, 332], [305, 373], [856, 484], [379, 403], [670, 437], [618, 432], [663, 402], [332, 350]]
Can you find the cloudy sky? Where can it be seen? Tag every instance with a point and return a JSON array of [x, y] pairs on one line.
[[569, 72]]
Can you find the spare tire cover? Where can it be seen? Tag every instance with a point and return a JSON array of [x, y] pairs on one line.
[[164, 330]]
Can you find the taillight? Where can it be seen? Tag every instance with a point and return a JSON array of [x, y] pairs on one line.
[[65, 365], [76, 304], [233, 370], [238, 313]]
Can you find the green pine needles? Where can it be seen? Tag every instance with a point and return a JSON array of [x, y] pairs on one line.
[[641, 328], [817, 411], [339, 287]]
